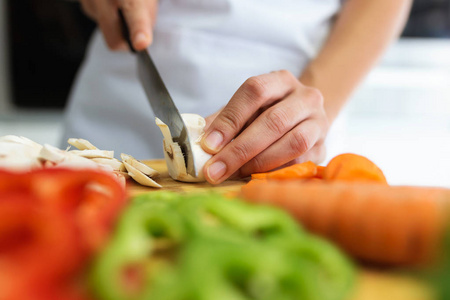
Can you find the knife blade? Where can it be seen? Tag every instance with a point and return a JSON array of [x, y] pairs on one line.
[[160, 100]]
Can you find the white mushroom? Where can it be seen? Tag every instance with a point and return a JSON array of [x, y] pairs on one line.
[[61, 158], [140, 166], [174, 156], [19, 153], [52, 154], [140, 177], [114, 163], [95, 153], [20, 140], [81, 144]]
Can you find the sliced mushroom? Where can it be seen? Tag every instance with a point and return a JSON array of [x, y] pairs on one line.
[[139, 165], [19, 163], [93, 153], [174, 156], [19, 153], [114, 163], [52, 154], [140, 177], [61, 158], [123, 173], [81, 144]]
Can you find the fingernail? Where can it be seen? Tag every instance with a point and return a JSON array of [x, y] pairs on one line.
[[213, 140], [141, 39], [216, 170]]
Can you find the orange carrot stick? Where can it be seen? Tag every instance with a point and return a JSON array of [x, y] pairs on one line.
[[393, 225], [298, 171], [353, 167]]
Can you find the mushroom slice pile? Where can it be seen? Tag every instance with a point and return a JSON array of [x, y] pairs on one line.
[[19, 153], [128, 167], [102, 158], [52, 156], [174, 156], [139, 171], [23, 154]]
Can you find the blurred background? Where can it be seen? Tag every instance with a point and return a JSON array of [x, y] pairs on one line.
[[399, 117]]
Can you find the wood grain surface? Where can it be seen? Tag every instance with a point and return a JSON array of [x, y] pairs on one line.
[[229, 186], [372, 284]]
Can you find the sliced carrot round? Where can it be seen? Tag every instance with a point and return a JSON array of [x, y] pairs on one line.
[[353, 167]]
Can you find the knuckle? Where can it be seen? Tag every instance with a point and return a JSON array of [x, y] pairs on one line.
[[314, 95], [287, 75], [241, 153], [258, 164], [256, 88], [300, 142], [231, 118], [277, 121]]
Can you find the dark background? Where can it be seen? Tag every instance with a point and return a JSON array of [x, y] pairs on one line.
[[48, 39]]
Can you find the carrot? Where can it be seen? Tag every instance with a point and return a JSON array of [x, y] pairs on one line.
[[320, 171], [353, 167], [391, 225], [299, 171]]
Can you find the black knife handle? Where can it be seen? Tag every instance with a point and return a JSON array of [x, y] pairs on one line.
[[125, 30]]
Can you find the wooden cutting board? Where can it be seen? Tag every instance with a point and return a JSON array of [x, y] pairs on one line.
[[372, 284], [231, 186]]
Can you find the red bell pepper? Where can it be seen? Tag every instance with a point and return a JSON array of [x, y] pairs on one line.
[[51, 223]]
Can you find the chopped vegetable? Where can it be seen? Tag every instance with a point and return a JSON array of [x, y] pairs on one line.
[[301, 171], [374, 222], [353, 167], [344, 167], [22, 154], [173, 154], [51, 223], [170, 247]]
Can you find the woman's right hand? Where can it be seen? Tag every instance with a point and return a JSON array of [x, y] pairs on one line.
[[140, 16]]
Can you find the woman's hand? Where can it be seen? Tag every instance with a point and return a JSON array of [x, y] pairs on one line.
[[271, 121], [140, 16]]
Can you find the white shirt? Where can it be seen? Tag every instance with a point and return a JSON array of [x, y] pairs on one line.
[[204, 50]]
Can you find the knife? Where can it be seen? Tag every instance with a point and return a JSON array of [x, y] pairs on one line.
[[160, 100]]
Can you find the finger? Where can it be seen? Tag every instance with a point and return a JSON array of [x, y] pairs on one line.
[[249, 98], [139, 15], [109, 23], [292, 146], [209, 119], [264, 131], [89, 9], [316, 154]]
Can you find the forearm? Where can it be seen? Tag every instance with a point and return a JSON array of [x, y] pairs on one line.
[[362, 32]]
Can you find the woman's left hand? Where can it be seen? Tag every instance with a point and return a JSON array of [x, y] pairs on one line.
[[271, 121]]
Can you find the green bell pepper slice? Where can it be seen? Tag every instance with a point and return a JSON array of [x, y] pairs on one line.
[[170, 246]]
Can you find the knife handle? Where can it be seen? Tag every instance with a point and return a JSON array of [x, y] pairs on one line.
[[125, 31]]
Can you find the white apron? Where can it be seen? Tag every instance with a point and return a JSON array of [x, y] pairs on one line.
[[204, 50]]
